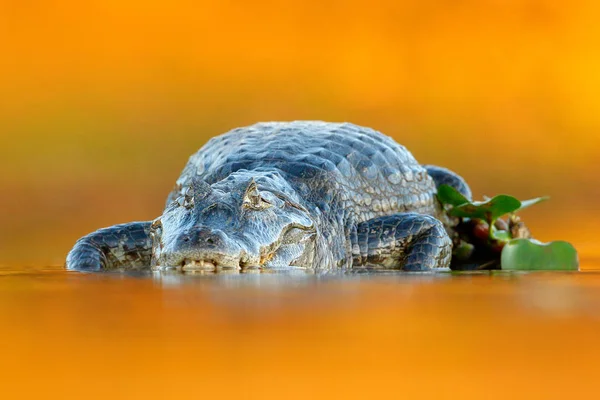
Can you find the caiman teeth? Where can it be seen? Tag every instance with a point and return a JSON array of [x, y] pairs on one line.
[[198, 265]]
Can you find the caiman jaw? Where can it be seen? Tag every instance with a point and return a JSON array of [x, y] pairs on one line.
[[190, 265], [198, 265], [211, 265]]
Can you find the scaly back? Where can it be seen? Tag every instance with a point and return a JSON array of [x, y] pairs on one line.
[[330, 164]]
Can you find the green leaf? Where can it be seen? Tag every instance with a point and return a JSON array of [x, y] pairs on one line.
[[448, 195], [528, 203], [531, 255], [489, 210]]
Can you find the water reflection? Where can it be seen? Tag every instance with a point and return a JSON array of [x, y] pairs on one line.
[[286, 278], [377, 328], [261, 295]]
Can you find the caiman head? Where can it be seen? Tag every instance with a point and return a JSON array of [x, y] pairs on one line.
[[249, 220]]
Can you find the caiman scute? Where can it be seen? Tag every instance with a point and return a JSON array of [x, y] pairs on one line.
[[281, 195]]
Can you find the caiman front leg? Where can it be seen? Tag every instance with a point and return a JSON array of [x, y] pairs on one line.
[[126, 246], [409, 241]]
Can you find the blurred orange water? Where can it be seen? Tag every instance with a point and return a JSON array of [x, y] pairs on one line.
[[72, 335]]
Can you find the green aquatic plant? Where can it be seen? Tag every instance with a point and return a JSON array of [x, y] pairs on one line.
[[518, 251], [529, 254]]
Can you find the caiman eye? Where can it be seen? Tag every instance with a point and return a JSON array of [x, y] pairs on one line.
[[253, 200], [257, 203]]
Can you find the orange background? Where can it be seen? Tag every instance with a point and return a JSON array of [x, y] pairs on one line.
[[103, 101]]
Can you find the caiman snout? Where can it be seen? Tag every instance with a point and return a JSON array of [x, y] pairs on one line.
[[202, 237], [204, 249]]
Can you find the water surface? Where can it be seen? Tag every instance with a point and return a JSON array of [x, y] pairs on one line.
[[470, 335]]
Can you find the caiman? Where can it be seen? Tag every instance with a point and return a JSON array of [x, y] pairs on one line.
[[281, 195]]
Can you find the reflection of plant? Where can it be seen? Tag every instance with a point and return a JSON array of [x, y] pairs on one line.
[[518, 252]]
